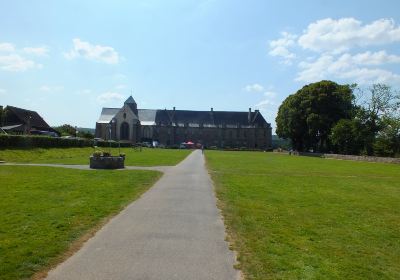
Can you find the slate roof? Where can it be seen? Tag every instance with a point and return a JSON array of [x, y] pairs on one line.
[[130, 100], [190, 118], [194, 118], [147, 116], [107, 114], [17, 115]]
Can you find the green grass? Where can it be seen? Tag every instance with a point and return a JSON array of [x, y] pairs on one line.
[[44, 210], [148, 157], [293, 217]]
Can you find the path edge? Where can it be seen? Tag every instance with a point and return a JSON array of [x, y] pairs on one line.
[[229, 234], [77, 244]]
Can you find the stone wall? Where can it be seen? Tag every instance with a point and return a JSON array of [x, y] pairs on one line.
[[259, 138], [364, 158], [107, 162], [351, 157]]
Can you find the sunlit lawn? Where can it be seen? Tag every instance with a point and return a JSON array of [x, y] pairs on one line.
[[146, 157], [293, 217], [44, 210]]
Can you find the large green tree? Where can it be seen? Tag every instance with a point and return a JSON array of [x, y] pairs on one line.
[[69, 130], [374, 128], [308, 116], [387, 142], [350, 136]]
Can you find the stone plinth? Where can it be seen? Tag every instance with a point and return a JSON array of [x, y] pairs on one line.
[[107, 162]]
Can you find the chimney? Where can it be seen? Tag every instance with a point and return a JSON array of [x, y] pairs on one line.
[[174, 108], [212, 109], [249, 115]]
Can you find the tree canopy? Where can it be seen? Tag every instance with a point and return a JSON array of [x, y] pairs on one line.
[[69, 130], [308, 116], [375, 126]]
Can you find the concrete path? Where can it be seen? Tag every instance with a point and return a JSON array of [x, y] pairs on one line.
[[174, 231]]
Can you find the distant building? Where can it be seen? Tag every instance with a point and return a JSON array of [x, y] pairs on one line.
[[21, 121], [172, 127]]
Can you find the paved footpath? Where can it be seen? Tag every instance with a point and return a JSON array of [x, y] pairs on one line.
[[174, 231]]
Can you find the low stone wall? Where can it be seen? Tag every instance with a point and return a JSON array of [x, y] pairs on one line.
[[107, 162], [351, 157], [364, 158]]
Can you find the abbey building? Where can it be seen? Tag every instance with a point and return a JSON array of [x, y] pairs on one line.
[[171, 127]]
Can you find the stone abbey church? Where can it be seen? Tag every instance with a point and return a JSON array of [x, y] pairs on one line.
[[222, 129]]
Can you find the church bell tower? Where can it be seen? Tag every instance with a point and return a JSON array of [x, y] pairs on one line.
[[132, 104]]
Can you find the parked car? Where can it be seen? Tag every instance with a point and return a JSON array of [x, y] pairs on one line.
[[41, 132], [147, 144]]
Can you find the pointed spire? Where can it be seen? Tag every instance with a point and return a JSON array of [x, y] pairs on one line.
[[130, 100]]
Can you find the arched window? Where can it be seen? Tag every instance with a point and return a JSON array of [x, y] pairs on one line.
[[124, 131]]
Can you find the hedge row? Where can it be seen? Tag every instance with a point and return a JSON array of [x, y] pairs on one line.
[[27, 141]]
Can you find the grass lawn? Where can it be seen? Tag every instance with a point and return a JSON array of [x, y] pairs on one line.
[[147, 157], [44, 210], [293, 217]]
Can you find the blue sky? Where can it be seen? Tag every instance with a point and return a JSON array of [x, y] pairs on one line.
[[69, 59]]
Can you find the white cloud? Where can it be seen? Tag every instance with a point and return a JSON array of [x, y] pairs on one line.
[[46, 88], [337, 49], [12, 60], [350, 68], [254, 88], [109, 97], [2, 91], [367, 76], [264, 103], [373, 58], [17, 63], [121, 86], [84, 91], [329, 35], [98, 53], [270, 94], [119, 77], [39, 51], [268, 106], [280, 47], [7, 47]]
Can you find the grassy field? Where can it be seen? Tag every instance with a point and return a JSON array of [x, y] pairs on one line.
[[293, 217], [44, 210], [147, 157]]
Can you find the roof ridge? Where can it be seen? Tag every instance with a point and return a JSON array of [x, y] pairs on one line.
[[20, 108]]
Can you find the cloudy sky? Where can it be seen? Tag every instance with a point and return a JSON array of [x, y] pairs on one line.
[[69, 60]]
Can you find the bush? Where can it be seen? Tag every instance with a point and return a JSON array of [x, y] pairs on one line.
[[97, 154], [113, 144], [29, 141]]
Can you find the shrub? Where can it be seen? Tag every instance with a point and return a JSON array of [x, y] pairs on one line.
[[28, 141], [97, 154], [35, 141]]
